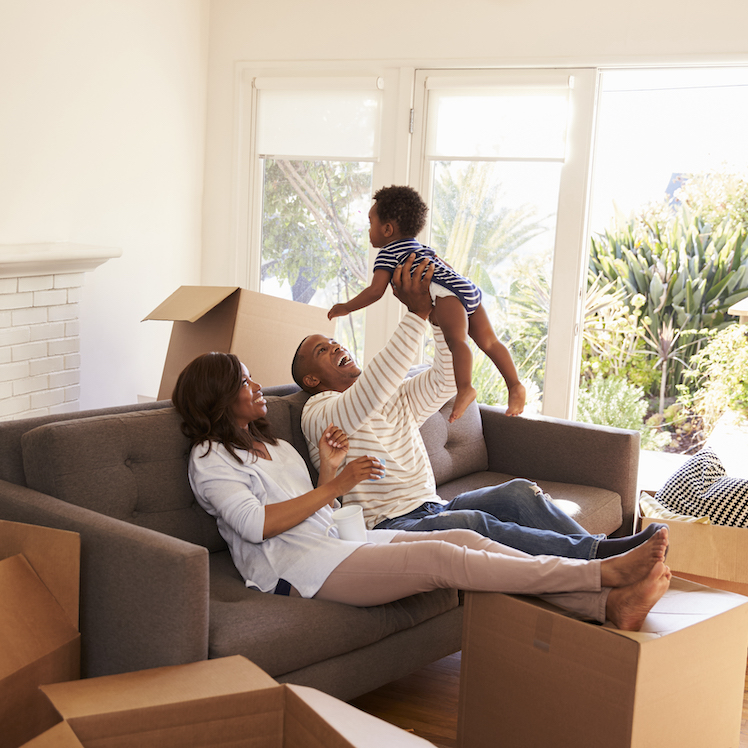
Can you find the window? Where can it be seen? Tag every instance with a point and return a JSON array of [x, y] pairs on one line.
[[493, 152], [315, 144]]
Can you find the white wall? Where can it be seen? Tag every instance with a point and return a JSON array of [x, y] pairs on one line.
[[102, 136], [439, 33]]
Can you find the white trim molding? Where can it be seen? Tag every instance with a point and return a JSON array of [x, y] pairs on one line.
[[50, 258]]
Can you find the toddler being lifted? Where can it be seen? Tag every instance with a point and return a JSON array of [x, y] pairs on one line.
[[397, 216]]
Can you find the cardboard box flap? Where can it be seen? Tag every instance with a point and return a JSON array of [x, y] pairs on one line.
[[32, 623], [53, 554], [678, 609], [720, 554], [243, 718], [190, 303], [709, 552], [59, 736], [316, 718], [158, 686]]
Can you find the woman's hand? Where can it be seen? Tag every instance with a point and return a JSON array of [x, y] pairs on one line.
[[360, 469], [333, 447]]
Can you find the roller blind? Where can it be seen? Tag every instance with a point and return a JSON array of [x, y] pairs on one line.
[[319, 118], [474, 119]]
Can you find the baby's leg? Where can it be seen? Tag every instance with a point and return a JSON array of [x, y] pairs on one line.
[[481, 331], [450, 315]]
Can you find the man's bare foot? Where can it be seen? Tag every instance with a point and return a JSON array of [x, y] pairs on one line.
[[463, 398], [627, 607], [634, 565], [516, 403]]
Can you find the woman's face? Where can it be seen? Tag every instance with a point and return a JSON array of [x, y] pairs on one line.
[[249, 404]]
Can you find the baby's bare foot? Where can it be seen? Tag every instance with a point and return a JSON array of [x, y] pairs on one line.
[[516, 404], [627, 607], [634, 565], [463, 398]]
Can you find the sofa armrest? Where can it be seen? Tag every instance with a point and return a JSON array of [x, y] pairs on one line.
[[144, 594], [554, 449]]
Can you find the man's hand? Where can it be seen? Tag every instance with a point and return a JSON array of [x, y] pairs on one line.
[[413, 290]]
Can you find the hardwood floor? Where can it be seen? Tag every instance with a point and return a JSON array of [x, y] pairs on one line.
[[425, 703]]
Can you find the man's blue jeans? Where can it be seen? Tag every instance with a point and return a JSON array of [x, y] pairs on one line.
[[515, 513]]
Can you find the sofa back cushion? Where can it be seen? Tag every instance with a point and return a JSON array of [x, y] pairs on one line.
[[455, 449], [131, 466]]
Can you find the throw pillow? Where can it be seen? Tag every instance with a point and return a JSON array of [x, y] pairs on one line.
[[702, 487]]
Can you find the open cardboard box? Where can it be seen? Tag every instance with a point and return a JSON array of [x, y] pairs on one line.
[[533, 676], [39, 583], [222, 702], [714, 555], [263, 331]]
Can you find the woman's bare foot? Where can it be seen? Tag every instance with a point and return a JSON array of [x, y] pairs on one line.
[[463, 398], [634, 565], [627, 607]]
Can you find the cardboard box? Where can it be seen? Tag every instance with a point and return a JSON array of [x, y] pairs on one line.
[[223, 702], [39, 582], [534, 677], [263, 331], [714, 555]]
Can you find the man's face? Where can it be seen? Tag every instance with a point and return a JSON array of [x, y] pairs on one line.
[[328, 364]]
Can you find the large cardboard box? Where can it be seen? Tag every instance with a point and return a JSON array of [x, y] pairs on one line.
[[533, 676], [714, 555], [223, 702], [263, 331], [39, 639]]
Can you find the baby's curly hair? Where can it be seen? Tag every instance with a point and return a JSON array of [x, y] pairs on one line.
[[401, 205]]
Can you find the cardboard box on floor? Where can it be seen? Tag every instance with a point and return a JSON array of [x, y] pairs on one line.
[[223, 702], [534, 677], [714, 555], [263, 331], [40, 643]]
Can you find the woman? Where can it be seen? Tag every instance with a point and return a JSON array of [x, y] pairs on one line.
[[276, 523]]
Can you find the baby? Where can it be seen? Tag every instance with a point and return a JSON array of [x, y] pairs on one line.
[[397, 216]]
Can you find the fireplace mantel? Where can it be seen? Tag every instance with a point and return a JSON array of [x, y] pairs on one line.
[[52, 258]]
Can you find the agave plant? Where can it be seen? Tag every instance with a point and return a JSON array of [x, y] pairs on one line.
[[689, 273]]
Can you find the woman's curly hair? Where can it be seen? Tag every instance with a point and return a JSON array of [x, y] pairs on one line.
[[401, 205], [204, 396]]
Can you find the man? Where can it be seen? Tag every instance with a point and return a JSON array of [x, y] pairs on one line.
[[381, 412]]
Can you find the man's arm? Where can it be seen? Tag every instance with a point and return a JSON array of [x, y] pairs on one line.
[[384, 375], [430, 389]]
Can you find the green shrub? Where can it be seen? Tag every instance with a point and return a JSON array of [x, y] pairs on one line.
[[684, 266], [612, 401], [718, 378]]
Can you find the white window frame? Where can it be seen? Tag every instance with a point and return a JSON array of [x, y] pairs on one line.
[[570, 249], [400, 162], [390, 168]]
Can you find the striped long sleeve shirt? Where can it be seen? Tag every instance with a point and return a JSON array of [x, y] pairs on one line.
[[381, 413]]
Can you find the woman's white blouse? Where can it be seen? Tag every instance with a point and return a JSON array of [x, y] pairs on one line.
[[236, 494]]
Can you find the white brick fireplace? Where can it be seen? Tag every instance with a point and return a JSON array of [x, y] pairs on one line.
[[40, 290]]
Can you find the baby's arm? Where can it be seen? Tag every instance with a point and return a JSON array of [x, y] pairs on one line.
[[369, 295]]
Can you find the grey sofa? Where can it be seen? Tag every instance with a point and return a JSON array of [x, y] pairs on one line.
[[157, 583]]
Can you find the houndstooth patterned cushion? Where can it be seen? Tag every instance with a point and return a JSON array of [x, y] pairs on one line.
[[702, 487]]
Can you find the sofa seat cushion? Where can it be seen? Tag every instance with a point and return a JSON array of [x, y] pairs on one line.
[[596, 509], [131, 466], [282, 634]]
